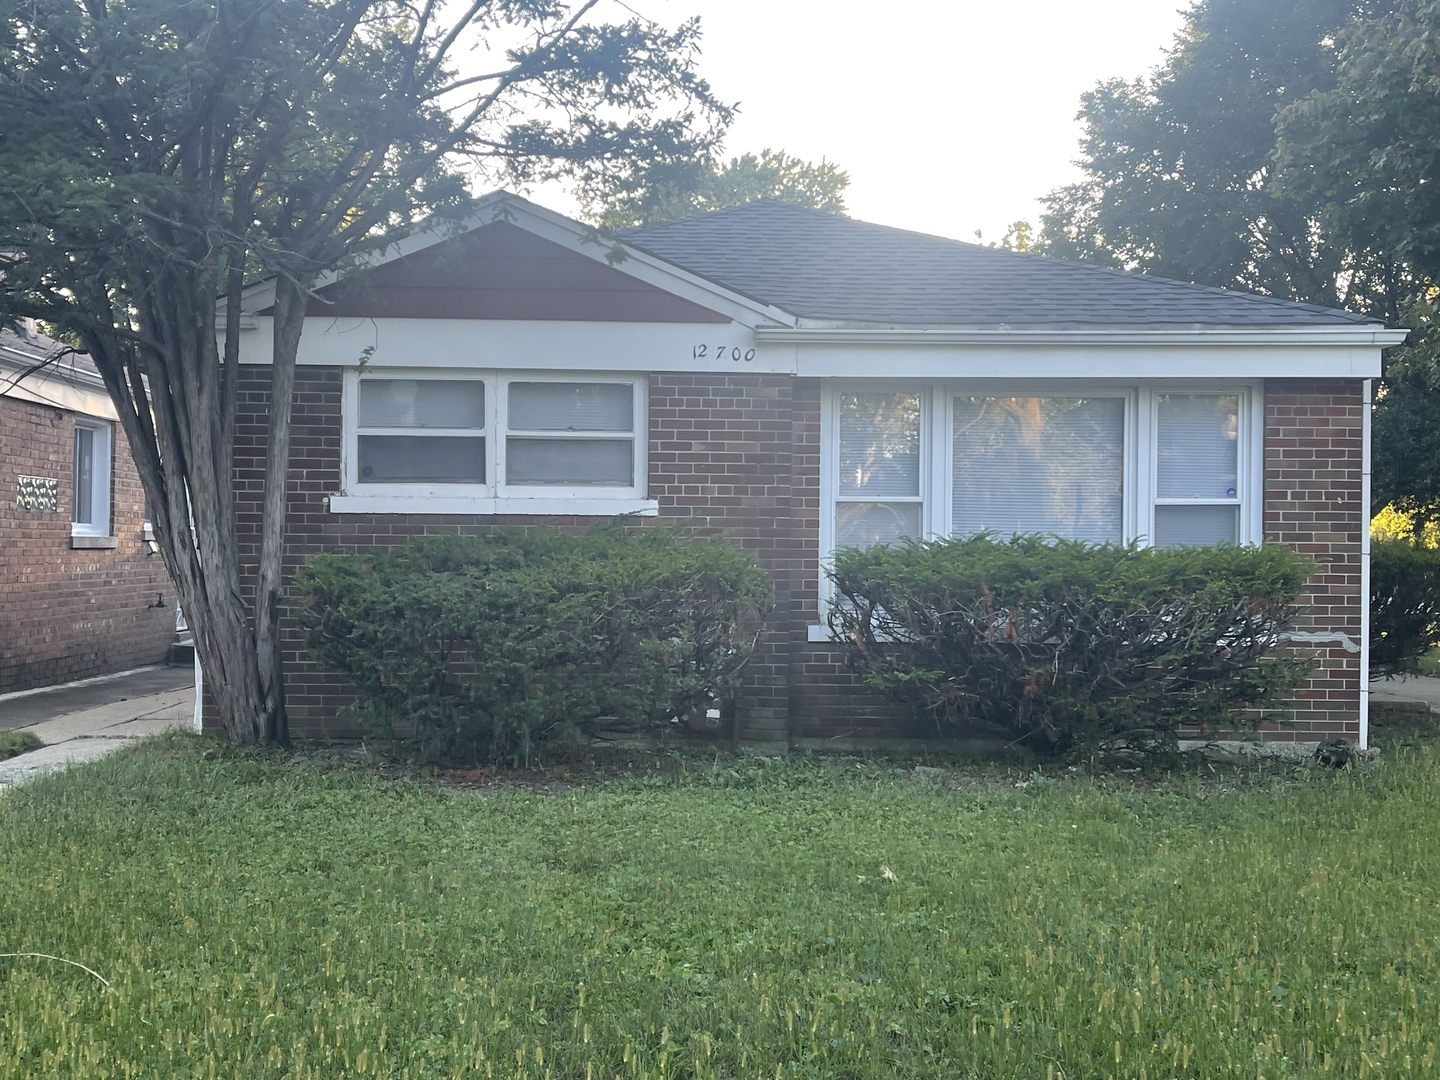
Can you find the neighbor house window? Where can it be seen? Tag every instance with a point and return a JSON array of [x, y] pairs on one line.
[[492, 436], [1117, 464], [90, 515]]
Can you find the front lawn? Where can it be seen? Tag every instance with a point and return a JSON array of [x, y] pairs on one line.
[[258, 917]]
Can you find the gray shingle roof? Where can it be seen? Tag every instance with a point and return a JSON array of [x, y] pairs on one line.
[[823, 266]]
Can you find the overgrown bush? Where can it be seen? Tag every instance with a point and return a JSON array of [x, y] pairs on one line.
[[1062, 643], [490, 646], [1404, 604]]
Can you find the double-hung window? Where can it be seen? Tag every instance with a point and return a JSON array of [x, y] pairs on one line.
[[1167, 465], [494, 442], [90, 507]]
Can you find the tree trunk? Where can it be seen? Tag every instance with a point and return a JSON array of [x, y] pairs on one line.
[[289, 320]]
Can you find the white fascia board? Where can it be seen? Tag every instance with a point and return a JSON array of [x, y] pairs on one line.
[[570, 234], [1086, 360], [814, 332], [54, 385], [535, 345]]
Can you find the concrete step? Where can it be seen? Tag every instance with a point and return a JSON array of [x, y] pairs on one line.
[[182, 650]]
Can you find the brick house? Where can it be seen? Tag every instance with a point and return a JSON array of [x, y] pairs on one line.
[[801, 381], [81, 591]]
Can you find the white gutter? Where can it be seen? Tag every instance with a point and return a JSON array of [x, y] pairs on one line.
[[1365, 336], [1367, 397]]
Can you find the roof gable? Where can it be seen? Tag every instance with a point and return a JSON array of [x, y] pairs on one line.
[[502, 271], [823, 266]]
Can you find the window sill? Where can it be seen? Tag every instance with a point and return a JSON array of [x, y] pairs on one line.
[[820, 633], [568, 507], [78, 542]]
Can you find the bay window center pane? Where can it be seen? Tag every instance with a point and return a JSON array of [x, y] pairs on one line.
[[1039, 465]]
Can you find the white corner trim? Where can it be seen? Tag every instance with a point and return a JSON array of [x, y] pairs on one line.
[[561, 507], [1322, 637]]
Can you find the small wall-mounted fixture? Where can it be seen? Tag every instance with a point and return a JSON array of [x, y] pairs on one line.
[[147, 536], [159, 601]]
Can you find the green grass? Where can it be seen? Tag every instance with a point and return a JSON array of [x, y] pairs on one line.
[[15, 743], [262, 919]]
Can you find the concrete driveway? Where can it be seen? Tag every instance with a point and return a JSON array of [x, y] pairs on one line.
[[86, 722]]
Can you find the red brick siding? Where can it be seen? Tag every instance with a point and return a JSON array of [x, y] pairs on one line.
[[70, 614], [1313, 502], [740, 454]]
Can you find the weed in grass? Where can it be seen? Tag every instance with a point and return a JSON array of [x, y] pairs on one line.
[[261, 919], [17, 742]]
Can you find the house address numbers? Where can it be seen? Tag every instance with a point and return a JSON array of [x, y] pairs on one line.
[[723, 352]]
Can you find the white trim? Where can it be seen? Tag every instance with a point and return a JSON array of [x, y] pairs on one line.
[[494, 496], [1138, 446], [814, 332], [524, 345], [505, 206], [1022, 360], [589, 506], [102, 450], [59, 385], [1367, 396]]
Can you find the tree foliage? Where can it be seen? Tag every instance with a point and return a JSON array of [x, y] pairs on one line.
[[156, 155], [1286, 148], [668, 189]]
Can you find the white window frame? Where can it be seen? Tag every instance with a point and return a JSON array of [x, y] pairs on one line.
[[1139, 441], [100, 479], [493, 496]]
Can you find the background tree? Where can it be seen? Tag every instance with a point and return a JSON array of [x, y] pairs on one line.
[[664, 189], [1367, 149], [156, 155], [1285, 148]]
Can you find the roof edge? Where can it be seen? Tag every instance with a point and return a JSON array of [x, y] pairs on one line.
[[1356, 335]]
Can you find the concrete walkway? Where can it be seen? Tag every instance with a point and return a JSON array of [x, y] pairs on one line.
[[1425, 688], [76, 728]]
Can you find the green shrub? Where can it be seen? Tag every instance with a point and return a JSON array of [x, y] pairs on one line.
[[491, 646], [1404, 604], [1061, 643]]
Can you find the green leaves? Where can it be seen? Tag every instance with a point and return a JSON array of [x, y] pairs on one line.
[[1060, 643], [1404, 604], [492, 646]]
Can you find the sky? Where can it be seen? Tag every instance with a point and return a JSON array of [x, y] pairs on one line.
[[949, 117]]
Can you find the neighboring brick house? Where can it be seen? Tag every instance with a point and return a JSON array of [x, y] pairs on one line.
[[80, 592], [801, 381]]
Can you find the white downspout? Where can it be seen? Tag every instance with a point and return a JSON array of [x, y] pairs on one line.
[[1365, 565]]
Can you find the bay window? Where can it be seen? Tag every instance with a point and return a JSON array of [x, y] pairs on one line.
[[1164, 464]]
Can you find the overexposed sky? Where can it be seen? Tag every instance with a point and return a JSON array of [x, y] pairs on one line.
[[950, 117]]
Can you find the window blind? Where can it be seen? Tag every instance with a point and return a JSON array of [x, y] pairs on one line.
[[409, 459], [1039, 464], [1180, 524], [570, 461], [880, 445], [548, 406], [1196, 446], [422, 403], [84, 476]]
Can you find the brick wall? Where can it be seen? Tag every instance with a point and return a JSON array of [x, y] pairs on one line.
[[1313, 502], [740, 454], [70, 614]]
